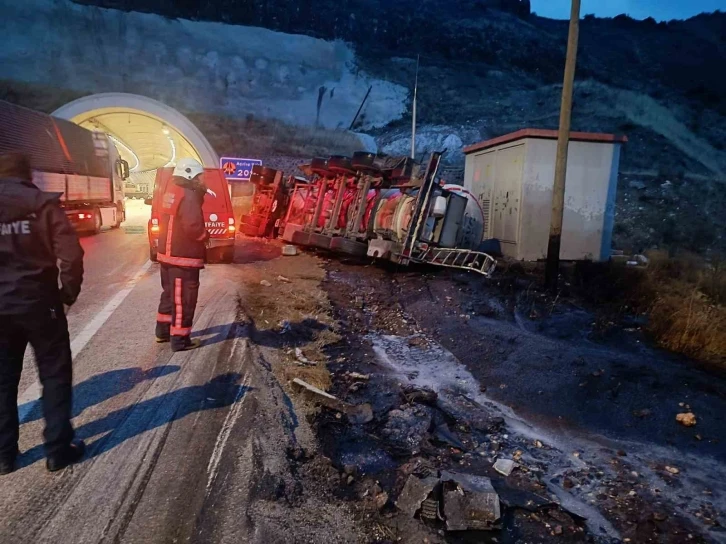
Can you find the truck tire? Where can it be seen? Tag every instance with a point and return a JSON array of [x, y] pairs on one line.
[[97, 222], [153, 255], [120, 216]]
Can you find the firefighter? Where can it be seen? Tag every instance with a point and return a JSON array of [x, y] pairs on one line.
[[35, 239], [182, 247]]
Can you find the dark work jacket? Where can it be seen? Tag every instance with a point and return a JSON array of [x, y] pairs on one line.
[[35, 237], [182, 232]]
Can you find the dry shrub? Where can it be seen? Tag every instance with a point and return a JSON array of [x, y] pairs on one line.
[[689, 323], [683, 297]]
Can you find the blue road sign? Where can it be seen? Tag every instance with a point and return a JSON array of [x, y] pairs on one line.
[[236, 169]]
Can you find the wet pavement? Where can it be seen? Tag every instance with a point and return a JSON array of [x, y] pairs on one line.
[[594, 417]]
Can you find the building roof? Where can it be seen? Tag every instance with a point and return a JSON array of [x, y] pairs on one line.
[[547, 135]]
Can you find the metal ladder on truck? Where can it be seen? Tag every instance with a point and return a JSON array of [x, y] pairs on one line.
[[464, 259]]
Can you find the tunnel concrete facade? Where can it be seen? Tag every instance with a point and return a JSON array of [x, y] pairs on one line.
[[83, 109]]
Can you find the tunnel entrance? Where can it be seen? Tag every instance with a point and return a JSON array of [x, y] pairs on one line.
[[147, 133]]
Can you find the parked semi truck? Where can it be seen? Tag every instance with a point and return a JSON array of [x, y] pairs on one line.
[[81, 164]]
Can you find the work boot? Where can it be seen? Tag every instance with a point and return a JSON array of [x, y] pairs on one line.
[[72, 454], [7, 466], [163, 339], [185, 344]]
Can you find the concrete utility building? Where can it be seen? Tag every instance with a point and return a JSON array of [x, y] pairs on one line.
[[512, 177]]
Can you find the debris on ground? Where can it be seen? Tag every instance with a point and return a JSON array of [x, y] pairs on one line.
[[504, 466], [687, 419], [414, 493], [300, 356], [406, 429], [419, 395], [289, 251], [358, 414], [672, 470], [283, 279], [470, 502], [265, 283]]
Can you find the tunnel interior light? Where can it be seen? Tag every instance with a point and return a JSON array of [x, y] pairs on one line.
[[172, 161], [129, 150]]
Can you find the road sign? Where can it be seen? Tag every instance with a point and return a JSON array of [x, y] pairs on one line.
[[236, 169]]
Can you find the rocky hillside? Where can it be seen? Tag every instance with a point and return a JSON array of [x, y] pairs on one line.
[[488, 66]]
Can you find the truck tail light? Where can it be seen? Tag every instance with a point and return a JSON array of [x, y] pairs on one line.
[[81, 216], [154, 225], [231, 227]]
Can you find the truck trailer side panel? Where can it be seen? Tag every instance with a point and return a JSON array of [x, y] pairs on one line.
[[54, 145]]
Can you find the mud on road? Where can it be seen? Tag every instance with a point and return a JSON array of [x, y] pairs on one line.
[[588, 415], [460, 372]]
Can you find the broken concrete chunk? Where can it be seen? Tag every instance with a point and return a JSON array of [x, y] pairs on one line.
[[283, 279], [505, 466], [265, 283], [469, 412], [289, 251], [470, 502], [357, 414], [687, 419], [414, 493], [406, 429]]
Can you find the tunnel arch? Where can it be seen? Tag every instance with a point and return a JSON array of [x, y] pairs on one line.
[[87, 110]]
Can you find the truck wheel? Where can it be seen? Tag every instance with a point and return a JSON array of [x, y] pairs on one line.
[[96, 221], [153, 255], [120, 216]]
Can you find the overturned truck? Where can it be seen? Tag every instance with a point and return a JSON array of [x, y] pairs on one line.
[[387, 208]]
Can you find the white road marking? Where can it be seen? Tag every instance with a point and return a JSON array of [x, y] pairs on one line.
[[81, 340]]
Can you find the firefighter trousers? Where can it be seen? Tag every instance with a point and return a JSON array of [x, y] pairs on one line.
[[180, 289], [46, 331]]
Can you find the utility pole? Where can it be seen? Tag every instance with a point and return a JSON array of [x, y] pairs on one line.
[[413, 123], [563, 141]]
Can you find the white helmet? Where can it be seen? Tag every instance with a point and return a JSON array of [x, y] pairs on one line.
[[188, 168]]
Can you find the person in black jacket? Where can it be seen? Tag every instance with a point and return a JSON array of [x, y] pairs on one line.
[[182, 247], [35, 235]]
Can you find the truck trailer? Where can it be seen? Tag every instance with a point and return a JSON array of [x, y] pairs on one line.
[[81, 164]]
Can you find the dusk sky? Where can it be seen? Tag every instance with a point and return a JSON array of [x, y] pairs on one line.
[[661, 10]]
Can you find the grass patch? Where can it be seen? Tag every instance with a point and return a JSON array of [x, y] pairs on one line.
[[684, 299]]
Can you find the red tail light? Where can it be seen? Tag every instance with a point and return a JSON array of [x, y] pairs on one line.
[[154, 225], [231, 227]]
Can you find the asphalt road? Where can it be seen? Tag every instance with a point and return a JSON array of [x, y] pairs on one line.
[[158, 425]]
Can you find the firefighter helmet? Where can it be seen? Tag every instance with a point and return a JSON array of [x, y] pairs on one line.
[[188, 169]]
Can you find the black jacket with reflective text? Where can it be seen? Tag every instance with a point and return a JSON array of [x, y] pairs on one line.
[[182, 232], [37, 244]]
